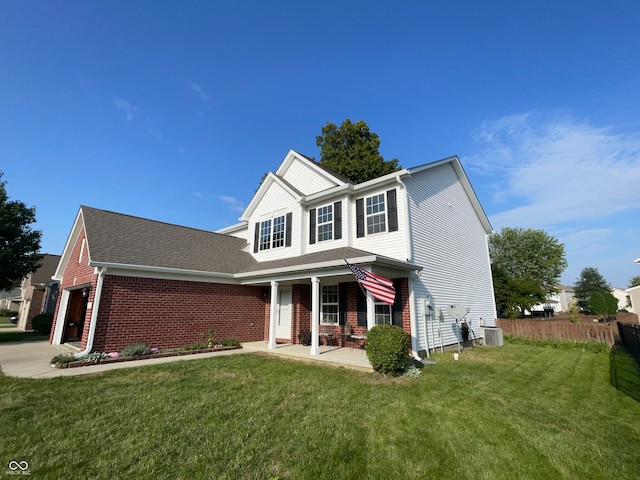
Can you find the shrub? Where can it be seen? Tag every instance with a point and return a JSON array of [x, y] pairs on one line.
[[95, 357], [135, 350], [42, 323], [63, 358], [230, 342], [305, 337], [387, 349]]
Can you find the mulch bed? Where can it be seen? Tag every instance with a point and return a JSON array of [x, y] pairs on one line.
[[81, 363]]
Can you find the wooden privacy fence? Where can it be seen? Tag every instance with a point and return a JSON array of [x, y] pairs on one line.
[[630, 336], [552, 330]]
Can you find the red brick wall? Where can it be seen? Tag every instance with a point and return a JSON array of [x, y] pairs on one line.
[[172, 313]]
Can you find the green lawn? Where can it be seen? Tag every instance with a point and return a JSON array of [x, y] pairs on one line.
[[516, 412]]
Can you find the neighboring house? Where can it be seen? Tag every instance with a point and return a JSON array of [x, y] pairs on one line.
[[622, 296], [38, 292], [10, 299], [282, 269], [634, 298], [557, 302]]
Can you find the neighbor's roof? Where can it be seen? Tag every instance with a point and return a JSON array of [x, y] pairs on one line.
[[47, 268], [116, 238]]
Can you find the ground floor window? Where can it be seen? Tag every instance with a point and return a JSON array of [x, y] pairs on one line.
[[329, 312], [382, 313]]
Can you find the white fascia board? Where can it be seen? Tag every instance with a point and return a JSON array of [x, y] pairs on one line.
[[377, 182], [68, 247], [637, 260], [163, 272], [312, 267], [629, 290], [232, 228], [271, 178], [332, 192]]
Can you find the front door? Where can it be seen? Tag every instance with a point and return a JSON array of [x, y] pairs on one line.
[[76, 311], [283, 323]]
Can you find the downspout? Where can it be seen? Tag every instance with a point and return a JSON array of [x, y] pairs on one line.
[[94, 315]]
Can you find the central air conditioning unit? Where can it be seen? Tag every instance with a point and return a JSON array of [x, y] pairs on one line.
[[492, 336]]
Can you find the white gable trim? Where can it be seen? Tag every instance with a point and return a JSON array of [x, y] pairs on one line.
[[257, 198], [78, 226], [293, 156]]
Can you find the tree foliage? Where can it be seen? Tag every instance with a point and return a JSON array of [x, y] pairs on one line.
[[526, 266], [634, 282], [352, 150], [589, 281], [19, 243], [602, 303]]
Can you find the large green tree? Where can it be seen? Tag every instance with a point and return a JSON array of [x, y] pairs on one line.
[[526, 266], [19, 243], [352, 150], [589, 282]]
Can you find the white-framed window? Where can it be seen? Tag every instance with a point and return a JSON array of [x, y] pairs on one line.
[[265, 235], [325, 223], [382, 313], [278, 232], [272, 233], [329, 305], [375, 214]]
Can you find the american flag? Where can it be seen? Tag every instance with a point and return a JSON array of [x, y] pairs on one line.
[[379, 287]]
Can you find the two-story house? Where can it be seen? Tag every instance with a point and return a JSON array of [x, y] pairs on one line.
[[283, 269]]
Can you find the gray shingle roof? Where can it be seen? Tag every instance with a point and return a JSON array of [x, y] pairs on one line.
[[124, 239], [47, 268]]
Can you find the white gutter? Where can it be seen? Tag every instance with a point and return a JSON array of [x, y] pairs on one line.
[[167, 270], [94, 315]]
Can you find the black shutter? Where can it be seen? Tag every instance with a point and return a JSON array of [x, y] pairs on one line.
[[360, 217], [287, 232], [396, 308], [312, 226], [256, 238], [362, 307], [342, 303], [337, 220], [392, 210]]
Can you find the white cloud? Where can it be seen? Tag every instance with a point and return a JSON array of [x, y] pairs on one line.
[[127, 107], [198, 89], [555, 170], [235, 204]]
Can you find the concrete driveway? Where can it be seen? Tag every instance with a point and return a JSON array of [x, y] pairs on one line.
[[31, 359]]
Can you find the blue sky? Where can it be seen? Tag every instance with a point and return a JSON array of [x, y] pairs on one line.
[[174, 110]]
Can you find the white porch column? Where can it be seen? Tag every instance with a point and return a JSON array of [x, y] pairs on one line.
[[371, 310], [315, 315], [273, 314]]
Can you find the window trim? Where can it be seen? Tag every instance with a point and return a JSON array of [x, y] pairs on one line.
[[336, 304], [326, 223], [382, 214]]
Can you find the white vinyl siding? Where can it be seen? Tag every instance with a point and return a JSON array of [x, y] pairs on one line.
[[389, 244], [275, 204], [450, 242], [305, 179]]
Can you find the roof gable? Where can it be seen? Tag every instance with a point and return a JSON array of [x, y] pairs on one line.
[[464, 181], [115, 239]]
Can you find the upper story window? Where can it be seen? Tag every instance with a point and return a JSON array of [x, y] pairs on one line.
[[265, 235], [376, 214], [325, 223], [272, 233], [376, 217]]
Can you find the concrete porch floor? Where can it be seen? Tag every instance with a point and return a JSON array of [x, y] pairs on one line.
[[337, 356]]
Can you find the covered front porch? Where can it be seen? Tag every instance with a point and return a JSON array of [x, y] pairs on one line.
[[334, 355], [322, 301]]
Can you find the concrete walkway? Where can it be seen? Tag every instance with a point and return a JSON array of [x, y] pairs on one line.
[[31, 359]]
